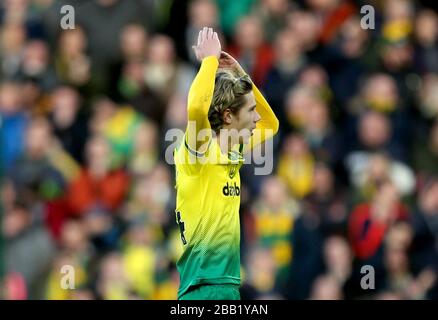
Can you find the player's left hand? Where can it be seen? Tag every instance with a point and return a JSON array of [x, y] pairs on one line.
[[226, 61]]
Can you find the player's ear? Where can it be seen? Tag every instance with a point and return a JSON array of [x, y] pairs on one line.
[[227, 116]]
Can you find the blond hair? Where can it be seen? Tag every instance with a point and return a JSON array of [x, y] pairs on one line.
[[229, 93]]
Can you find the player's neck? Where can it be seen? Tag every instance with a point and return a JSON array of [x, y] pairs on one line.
[[225, 142]]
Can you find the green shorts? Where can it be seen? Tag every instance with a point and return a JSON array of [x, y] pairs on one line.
[[212, 292]]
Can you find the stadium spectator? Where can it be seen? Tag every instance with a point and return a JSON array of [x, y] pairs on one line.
[[296, 166], [338, 259], [98, 185], [273, 15], [28, 249], [287, 64], [68, 121], [251, 49], [43, 169], [72, 63], [370, 222], [13, 41], [426, 41], [423, 254], [271, 219], [327, 201], [201, 13], [35, 66], [14, 123], [163, 72]]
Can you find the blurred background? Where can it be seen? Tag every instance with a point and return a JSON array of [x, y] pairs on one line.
[[84, 113]]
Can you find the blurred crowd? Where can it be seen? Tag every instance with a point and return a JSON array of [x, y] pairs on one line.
[[84, 113]]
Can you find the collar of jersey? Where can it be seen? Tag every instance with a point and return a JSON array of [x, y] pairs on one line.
[[232, 157]]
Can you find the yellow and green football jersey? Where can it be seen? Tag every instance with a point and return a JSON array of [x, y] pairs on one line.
[[207, 212], [208, 190]]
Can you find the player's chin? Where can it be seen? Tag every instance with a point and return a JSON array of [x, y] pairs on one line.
[[245, 135], [244, 139]]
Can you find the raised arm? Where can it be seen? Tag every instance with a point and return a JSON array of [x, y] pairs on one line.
[[267, 126], [201, 91]]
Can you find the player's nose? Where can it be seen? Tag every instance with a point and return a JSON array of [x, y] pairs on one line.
[[257, 117]]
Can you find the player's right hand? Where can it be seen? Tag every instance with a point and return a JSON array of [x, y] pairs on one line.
[[208, 44]]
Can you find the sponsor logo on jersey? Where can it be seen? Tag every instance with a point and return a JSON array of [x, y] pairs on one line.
[[230, 190]]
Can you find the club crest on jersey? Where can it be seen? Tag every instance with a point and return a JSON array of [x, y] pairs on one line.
[[233, 171], [230, 190], [235, 157]]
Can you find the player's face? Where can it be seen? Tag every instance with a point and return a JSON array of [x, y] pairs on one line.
[[247, 119]]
